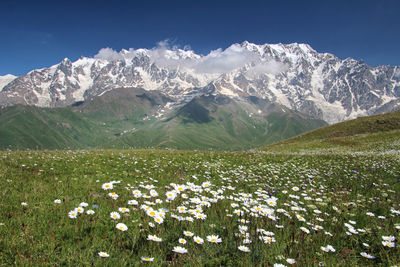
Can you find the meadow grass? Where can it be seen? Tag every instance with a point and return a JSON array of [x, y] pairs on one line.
[[280, 206]]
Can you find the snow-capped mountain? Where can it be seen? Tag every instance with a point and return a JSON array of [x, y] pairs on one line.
[[6, 79], [295, 75]]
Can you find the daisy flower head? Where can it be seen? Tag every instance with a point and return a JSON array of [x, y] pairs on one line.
[[113, 195], [154, 238], [158, 219], [72, 214], [90, 212], [79, 209], [214, 239], [147, 259], [187, 233], [115, 215], [388, 244], [83, 204], [171, 195], [180, 250], [107, 186], [305, 230], [103, 254], [123, 210], [244, 248], [133, 202], [200, 216], [182, 241], [291, 261], [206, 184], [24, 204], [57, 201], [366, 255], [389, 238], [121, 226], [328, 248], [198, 240], [295, 188]]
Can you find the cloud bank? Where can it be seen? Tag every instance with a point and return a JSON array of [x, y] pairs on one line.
[[218, 61]]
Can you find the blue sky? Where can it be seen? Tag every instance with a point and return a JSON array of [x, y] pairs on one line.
[[37, 34]]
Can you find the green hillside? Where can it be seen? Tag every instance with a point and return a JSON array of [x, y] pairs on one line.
[[375, 133], [209, 122], [129, 118]]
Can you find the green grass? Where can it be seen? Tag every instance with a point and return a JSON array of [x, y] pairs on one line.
[[333, 190], [372, 133]]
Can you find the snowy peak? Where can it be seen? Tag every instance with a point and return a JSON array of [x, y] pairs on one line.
[[6, 79]]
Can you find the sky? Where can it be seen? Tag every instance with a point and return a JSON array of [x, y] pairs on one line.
[[40, 33]]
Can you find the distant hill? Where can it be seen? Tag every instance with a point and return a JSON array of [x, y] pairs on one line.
[[377, 132], [136, 118]]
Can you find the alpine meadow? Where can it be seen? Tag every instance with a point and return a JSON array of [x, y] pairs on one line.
[[200, 133]]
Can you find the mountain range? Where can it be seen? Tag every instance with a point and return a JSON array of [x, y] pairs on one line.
[[244, 96], [294, 75]]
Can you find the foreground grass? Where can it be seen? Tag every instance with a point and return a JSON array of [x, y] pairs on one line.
[[349, 201]]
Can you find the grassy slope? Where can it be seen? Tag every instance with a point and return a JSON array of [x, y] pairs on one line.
[[24, 127], [378, 132], [115, 120], [202, 124]]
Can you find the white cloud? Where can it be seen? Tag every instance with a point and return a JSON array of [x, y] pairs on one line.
[[270, 66], [108, 54], [218, 61]]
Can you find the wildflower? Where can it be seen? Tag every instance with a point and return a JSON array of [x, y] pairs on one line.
[[24, 204], [133, 202], [305, 230], [290, 261], [158, 219], [147, 259], [154, 238], [171, 195], [122, 227], [103, 254], [182, 241], [388, 244], [300, 218], [57, 201], [388, 238], [123, 210], [366, 255], [72, 214], [180, 250], [370, 214], [113, 195], [206, 184], [201, 216], [151, 224], [79, 209], [198, 240], [244, 248], [115, 215], [295, 188], [107, 186], [188, 233], [214, 239], [268, 239], [279, 265], [83, 204], [328, 248], [90, 212]]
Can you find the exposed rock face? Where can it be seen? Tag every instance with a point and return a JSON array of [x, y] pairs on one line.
[[294, 75]]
